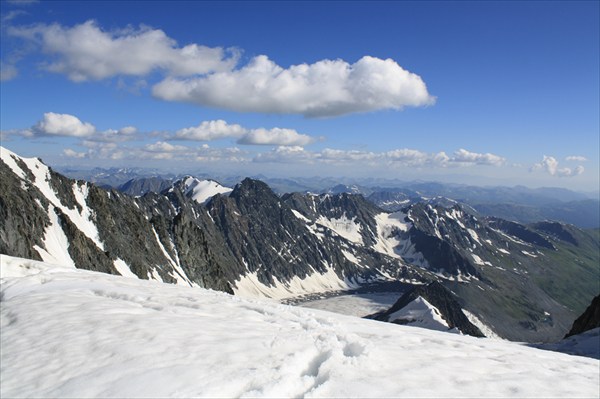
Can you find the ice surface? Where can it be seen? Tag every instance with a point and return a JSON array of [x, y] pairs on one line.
[[359, 305], [75, 333]]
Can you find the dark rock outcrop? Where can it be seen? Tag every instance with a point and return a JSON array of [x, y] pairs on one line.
[[589, 320]]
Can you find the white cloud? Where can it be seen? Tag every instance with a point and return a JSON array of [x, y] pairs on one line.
[[111, 135], [210, 130], [550, 165], [325, 88], [467, 157], [576, 158], [275, 136], [162, 146], [63, 125], [54, 124], [86, 52], [219, 129]]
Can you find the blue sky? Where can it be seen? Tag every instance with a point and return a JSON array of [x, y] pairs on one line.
[[469, 92]]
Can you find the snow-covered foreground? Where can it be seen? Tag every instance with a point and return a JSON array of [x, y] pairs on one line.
[[72, 333]]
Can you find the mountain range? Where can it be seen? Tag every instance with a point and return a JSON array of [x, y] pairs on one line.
[[520, 204], [523, 282]]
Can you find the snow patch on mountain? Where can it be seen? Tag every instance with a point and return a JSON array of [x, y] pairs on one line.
[[300, 216], [388, 227], [350, 257], [344, 227], [123, 268], [477, 260], [474, 235], [56, 243], [249, 286], [484, 328], [202, 190]]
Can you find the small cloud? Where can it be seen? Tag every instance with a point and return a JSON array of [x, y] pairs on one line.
[[210, 130], [550, 165], [576, 158], [63, 125], [467, 157], [219, 129], [163, 146], [275, 136]]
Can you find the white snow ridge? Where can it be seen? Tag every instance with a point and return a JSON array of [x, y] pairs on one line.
[[202, 190], [75, 333]]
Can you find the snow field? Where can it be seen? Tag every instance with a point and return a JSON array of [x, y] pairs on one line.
[[74, 333]]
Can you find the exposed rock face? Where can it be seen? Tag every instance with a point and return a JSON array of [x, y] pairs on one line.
[[442, 299], [589, 320]]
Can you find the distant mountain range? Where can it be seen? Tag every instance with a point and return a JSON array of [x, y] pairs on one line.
[[522, 282], [519, 203]]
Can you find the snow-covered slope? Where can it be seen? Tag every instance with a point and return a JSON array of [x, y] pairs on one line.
[[202, 190], [75, 333]]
